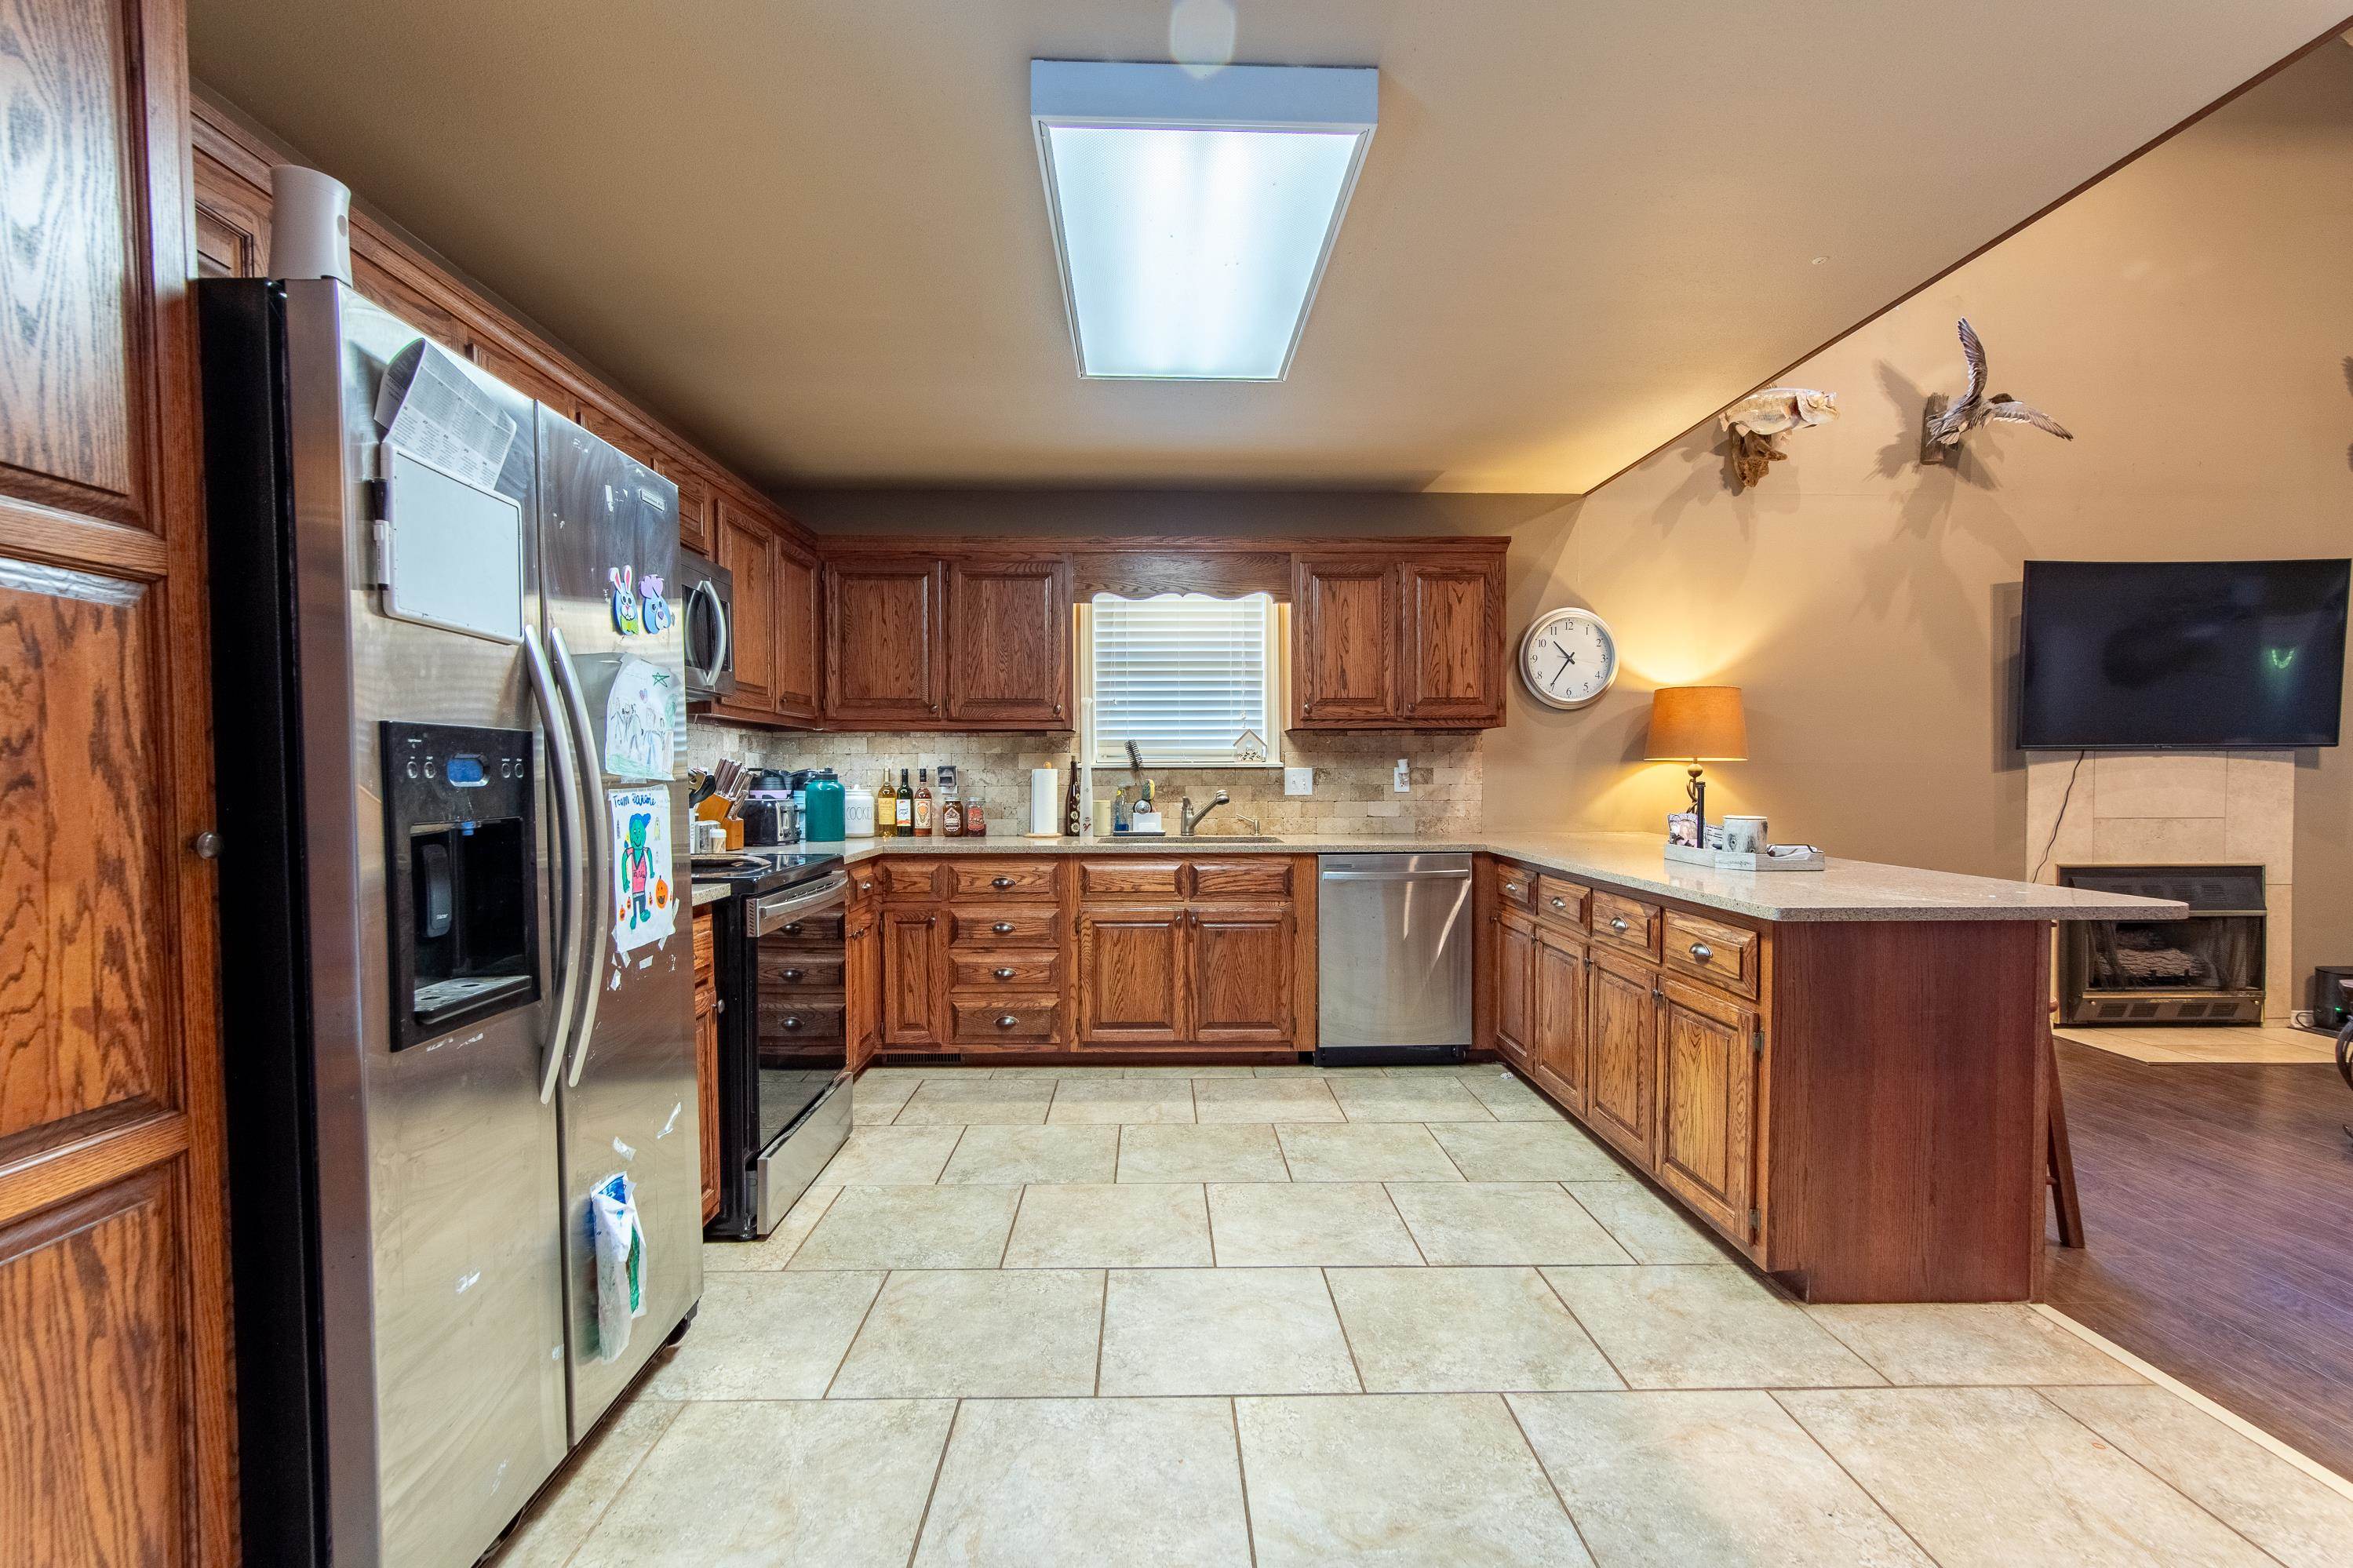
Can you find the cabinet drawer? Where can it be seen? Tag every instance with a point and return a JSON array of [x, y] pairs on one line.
[[794, 974], [1027, 926], [908, 878], [1001, 878], [1016, 1020], [1562, 901], [1256, 876], [823, 931], [1516, 886], [986, 972], [786, 1023], [1725, 956], [705, 945], [1129, 878], [1629, 921]]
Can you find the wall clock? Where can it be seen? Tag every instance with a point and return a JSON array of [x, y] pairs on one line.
[[1568, 657]]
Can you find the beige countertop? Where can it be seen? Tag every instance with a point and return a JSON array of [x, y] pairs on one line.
[[1845, 890], [710, 892]]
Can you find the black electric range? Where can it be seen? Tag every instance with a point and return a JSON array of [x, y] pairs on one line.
[[783, 1092]]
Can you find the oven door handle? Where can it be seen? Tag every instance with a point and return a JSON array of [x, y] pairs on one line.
[[597, 810], [572, 854], [703, 589], [782, 908]]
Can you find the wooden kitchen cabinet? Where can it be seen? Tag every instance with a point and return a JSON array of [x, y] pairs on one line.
[[750, 551], [1451, 655], [1399, 637], [861, 978], [1621, 1044], [1707, 1051], [1556, 1044], [1133, 976], [706, 1059], [1514, 960], [882, 647], [1241, 983], [913, 959], [1343, 631], [795, 669], [1008, 636]]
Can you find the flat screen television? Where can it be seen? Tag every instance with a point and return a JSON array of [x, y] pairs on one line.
[[2186, 655]]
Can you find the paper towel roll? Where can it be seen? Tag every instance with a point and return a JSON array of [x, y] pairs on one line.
[[1045, 802]]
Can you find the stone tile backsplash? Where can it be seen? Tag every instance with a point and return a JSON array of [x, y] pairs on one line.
[[1352, 775]]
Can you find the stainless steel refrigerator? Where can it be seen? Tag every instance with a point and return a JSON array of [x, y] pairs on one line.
[[457, 924]]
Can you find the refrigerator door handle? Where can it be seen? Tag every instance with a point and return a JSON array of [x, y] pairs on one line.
[[572, 856], [598, 927]]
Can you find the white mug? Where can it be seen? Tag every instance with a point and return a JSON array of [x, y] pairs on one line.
[[1744, 834]]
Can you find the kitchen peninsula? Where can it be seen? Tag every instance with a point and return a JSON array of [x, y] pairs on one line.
[[1842, 1072]]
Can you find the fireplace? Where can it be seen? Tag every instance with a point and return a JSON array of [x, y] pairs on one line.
[[2207, 969]]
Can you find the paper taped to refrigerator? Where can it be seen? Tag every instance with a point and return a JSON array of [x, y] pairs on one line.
[[641, 721], [646, 905], [430, 404]]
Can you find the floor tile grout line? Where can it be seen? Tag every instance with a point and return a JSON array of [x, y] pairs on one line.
[[851, 1344], [1346, 1340], [1103, 1331], [939, 1467], [824, 1209], [1241, 1473], [1591, 1338], [1545, 1472], [596, 1518], [1812, 1437], [1015, 1224], [1409, 1236], [2135, 1460]]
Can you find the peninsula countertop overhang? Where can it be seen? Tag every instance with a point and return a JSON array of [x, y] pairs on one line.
[[1848, 891]]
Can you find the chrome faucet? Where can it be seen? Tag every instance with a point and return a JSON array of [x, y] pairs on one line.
[[1187, 821]]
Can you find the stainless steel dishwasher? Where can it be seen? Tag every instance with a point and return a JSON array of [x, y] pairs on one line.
[[1393, 958]]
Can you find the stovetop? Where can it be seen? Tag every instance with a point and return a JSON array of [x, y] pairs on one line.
[[757, 870]]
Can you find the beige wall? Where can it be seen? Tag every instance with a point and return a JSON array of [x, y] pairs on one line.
[[2190, 320]]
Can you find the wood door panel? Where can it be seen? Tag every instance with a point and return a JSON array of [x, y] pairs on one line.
[[526, 377], [1008, 638], [88, 1328], [80, 910], [1721, 955], [1253, 876], [911, 981], [1001, 878], [1556, 1047], [747, 548], [1621, 1044], [1014, 925], [1452, 663], [882, 641], [1344, 634], [382, 285], [1706, 1076], [1515, 983], [1242, 974], [1132, 978], [71, 281], [795, 667], [862, 985], [1131, 877]]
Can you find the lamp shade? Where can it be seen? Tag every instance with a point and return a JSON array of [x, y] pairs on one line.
[[1697, 724]]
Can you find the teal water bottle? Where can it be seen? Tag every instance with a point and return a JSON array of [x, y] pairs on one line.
[[822, 821]]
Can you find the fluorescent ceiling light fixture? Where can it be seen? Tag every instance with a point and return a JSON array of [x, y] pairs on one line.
[[1193, 215]]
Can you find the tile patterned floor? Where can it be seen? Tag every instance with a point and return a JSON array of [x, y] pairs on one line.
[[1045, 1317]]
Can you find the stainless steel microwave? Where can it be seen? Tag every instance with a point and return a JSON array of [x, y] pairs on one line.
[[707, 597]]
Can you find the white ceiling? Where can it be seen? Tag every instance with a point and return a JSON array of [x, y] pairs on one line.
[[812, 233]]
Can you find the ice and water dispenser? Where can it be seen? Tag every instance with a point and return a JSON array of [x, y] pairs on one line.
[[462, 871]]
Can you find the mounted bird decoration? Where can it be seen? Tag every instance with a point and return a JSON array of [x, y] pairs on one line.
[[1945, 424], [1755, 421]]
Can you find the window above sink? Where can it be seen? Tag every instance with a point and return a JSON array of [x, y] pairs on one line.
[[1195, 681]]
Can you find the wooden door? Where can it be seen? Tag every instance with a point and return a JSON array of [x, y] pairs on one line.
[[706, 1058], [799, 654], [1451, 662], [418, 307], [1009, 643], [1515, 947], [1621, 1053], [1706, 1152], [1342, 637], [1132, 978], [883, 642], [862, 985], [1556, 1047], [748, 549], [1241, 977], [117, 1443], [912, 962], [526, 376]]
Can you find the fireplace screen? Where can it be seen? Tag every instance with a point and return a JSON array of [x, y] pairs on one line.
[[2206, 969]]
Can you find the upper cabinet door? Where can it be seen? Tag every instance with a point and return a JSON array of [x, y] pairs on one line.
[[797, 653], [748, 549], [523, 376], [883, 642], [1009, 643], [1450, 669], [1344, 629]]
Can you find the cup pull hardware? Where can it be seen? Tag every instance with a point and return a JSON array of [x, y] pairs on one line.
[[1007, 1021], [1701, 952], [1005, 974], [1000, 881], [1617, 924], [1003, 928]]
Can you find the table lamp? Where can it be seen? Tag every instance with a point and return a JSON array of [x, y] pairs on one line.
[[1697, 724]]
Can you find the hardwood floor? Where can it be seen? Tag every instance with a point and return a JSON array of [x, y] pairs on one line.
[[2218, 1202]]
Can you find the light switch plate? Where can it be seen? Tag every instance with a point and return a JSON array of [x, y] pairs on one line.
[[1299, 781], [1404, 776]]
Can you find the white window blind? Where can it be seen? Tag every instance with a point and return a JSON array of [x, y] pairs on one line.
[[1184, 676]]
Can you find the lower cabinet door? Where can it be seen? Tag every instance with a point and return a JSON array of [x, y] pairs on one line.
[[1515, 951], [1242, 979], [1132, 977], [1556, 1047], [1621, 1053], [706, 1091], [861, 982], [910, 978], [1707, 1071]]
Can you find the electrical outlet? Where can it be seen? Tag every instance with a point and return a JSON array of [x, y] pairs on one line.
[[1404, 776], [1299, 781]]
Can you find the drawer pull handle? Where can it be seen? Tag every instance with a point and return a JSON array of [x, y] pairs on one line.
[[1003, 928], [1617, 924], [1512, 889], [1005, 974], [1559, 902], [792, 975], [792, 930], [1007, 1022], [1000, 881], [1701, 952], [792, 1023]]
